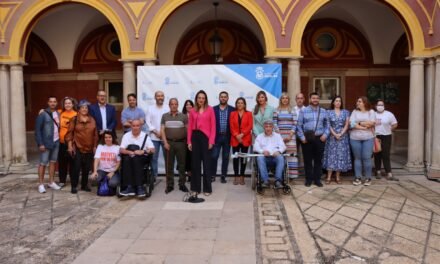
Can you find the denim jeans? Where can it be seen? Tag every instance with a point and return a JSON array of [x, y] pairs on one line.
[[362, 152], [113, 182], [266, 162], [157, 145], [223, 144], [50, 154]]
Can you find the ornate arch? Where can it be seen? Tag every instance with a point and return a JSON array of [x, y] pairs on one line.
[[410, 21], [26, 21], [169, 7]]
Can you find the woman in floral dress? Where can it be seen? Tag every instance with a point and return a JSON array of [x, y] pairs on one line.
[[337, 149], [285, 124]]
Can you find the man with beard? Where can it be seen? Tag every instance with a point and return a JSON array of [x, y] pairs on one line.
[[313, 130], [153, 118], [132, 112], [47, 136], [223, 135]]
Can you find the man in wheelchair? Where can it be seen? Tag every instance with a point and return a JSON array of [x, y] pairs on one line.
[[135, 148], [271, 145]]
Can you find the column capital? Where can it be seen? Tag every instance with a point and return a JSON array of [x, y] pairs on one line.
[[416, 58], [150, 62], [294, 58]]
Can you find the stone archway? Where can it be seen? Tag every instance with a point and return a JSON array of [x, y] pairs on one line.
[[28, 20], [152, 38]]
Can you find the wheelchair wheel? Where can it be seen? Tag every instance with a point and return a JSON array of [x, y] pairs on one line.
[[260, 190], [118, 191], [253, 179], [287, 189]]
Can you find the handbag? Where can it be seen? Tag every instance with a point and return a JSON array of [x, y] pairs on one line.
[[377, 147], [134, 147], [103, 188], [310, 135]]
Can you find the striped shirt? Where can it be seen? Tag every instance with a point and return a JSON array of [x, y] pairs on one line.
[[175, 126]]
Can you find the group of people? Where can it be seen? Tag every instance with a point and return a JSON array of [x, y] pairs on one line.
[[195, 137]]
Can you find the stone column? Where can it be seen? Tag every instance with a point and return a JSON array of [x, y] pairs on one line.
[[151, 62], [293, 78], [18, 126], [129, 77], [416, 126], [5, 147], [429, 101], [272, 60], [435, 160]]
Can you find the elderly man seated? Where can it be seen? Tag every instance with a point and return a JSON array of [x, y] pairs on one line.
[[135, 147], [271, 145]]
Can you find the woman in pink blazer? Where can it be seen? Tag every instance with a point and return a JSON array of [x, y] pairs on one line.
[[201, 138], [241, 122]]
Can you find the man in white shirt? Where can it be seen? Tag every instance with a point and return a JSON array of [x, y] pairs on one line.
[[271, 145], [133, 161], [153, 118]]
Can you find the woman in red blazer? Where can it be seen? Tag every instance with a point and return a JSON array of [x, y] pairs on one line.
[[241, 123]]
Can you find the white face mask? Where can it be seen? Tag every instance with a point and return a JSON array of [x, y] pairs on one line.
[[380, 108]]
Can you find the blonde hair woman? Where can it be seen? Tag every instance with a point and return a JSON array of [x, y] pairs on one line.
[[285, 119]]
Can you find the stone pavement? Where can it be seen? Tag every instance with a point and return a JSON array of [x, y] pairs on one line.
[[386, 222], [163, 229], [52, 227]]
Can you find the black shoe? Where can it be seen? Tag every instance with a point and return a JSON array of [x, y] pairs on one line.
[[308, 184], [74, 190], [319, 184], [140, 191], [86, 189], [223, 179], [195, 199], [278, 185], [183, 188], [265, 185], [213, 179], [129, 191], [169, 189]]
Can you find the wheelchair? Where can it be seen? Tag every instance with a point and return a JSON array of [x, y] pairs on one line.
[[256, 182], [147, 172]]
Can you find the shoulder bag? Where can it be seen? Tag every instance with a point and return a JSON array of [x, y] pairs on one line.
[[310, 135]]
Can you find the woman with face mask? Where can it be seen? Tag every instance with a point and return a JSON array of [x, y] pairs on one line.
[[385, 124]]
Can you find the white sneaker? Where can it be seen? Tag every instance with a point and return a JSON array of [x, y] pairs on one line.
[[41, 188], [54, 186]]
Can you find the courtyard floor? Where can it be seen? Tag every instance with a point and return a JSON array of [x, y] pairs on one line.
[[387, 222]]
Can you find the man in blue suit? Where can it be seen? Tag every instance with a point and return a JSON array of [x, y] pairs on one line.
[[223, 135], [104, 114]]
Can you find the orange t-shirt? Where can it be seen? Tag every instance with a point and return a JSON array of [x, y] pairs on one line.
[[65, 118]]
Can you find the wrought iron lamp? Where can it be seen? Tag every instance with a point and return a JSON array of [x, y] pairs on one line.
[[216, 41]]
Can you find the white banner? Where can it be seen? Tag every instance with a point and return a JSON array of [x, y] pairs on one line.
[[183, 82]]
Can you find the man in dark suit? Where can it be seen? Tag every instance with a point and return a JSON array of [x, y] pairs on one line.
[[104, 114], [223, 135]]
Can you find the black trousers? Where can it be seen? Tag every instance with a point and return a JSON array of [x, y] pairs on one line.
[[133, 172], [200, 154], [82, 162], [239, 163], [65, 162], [313, 152], [384, 155]]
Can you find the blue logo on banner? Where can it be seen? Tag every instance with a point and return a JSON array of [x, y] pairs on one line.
[[217, 80], [168, 81], [265, 76]]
